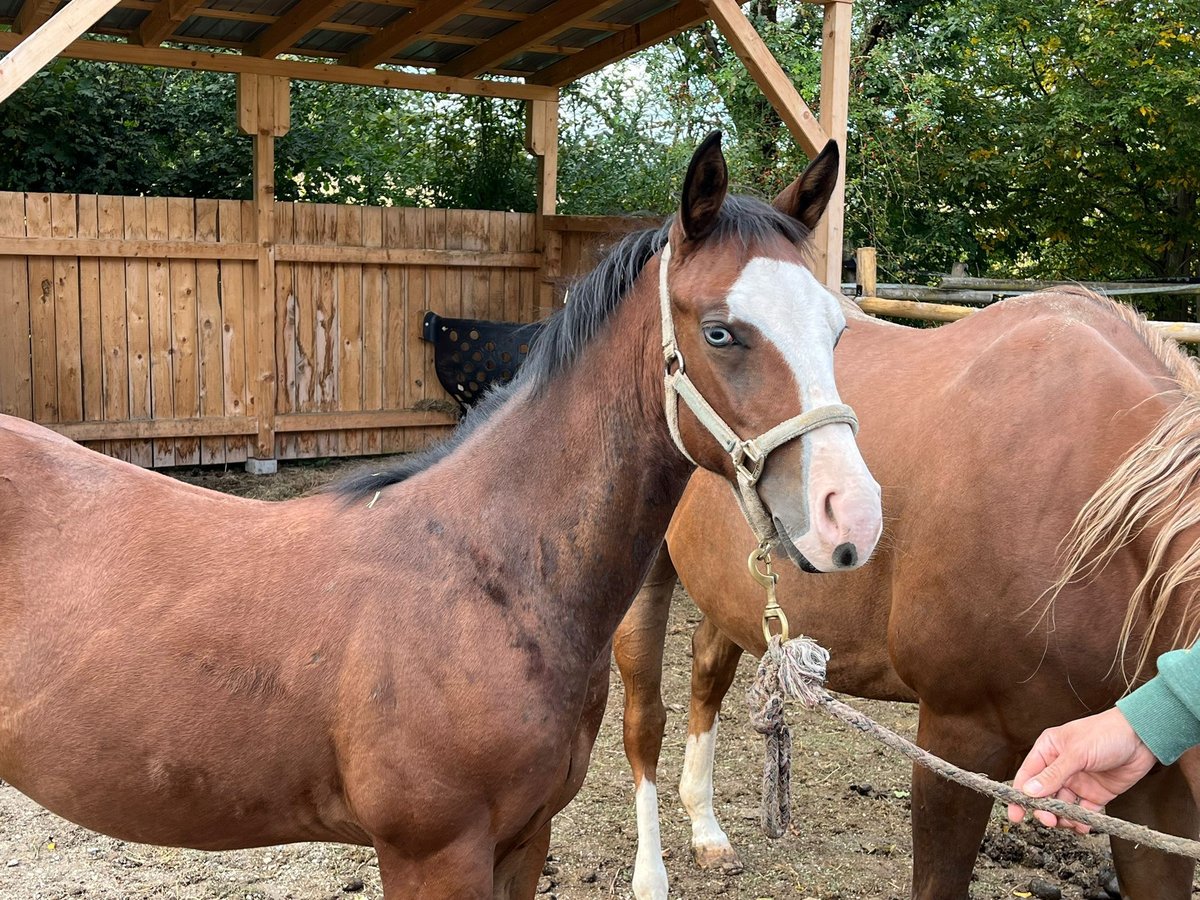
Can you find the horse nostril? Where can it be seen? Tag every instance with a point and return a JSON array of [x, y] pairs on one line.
[[846, 555]]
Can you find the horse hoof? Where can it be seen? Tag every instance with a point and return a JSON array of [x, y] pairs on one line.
[[722, 858]]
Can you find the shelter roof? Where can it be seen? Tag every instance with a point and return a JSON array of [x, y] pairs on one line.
[[544, 42]]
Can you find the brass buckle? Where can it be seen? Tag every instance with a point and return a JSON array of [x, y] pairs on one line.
[[768, 579]]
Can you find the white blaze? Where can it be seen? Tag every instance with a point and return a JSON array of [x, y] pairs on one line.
[[795, 312], [802, 319]]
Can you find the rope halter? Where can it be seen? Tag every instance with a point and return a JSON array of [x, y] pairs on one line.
[[749, 456]]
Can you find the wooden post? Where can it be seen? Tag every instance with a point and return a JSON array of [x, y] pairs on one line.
[[865, 271], [768, 74], [263, 113], [835, 101], [541, 139], [49, 40]]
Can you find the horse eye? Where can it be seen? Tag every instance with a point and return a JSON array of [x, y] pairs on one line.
[[719, 335]]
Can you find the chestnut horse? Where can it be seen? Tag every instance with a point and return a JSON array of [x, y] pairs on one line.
[[989, 436], [393, 663]]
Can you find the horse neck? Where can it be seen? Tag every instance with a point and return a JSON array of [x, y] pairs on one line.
[[577, 481]]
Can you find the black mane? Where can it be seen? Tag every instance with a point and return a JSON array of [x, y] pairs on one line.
[[570, 329]]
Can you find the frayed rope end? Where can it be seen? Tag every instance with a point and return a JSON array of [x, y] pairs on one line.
[[794, 670]]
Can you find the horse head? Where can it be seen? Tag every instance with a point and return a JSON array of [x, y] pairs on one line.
[[748, 335]]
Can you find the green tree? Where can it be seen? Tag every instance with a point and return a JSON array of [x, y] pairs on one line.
[[102, 128]]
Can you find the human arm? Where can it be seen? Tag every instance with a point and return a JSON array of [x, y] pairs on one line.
[[1088, 761], [1091, 760]]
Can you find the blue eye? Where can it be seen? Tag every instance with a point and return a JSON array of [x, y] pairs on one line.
[[719, 335]]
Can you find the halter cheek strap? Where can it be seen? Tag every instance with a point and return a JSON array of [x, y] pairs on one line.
[[749, 456]]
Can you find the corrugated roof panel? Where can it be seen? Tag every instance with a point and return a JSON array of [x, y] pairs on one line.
[[521, 6], [431, 52], [475, 26], [532, 62], [370, 14], [261, 7], [328, 41], [122, 19], [203, 29], [633, 11], [9, 8], [576, 37]]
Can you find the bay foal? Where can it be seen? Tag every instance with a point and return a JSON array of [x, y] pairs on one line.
[[393, 663]]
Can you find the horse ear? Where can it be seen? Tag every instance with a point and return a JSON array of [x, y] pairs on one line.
[[806, 197], [704, 189]]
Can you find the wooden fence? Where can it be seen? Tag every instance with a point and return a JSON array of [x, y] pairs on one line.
[[132, 323]]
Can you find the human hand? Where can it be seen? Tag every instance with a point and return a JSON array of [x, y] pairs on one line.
[[1088, 762]]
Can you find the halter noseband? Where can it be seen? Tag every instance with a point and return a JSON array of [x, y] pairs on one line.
[[749, 456]]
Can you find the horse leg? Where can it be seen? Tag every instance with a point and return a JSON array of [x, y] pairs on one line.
[[714, 664], [638, 648], [518, 874], [463, 869], [1162, 801], [948, 821]]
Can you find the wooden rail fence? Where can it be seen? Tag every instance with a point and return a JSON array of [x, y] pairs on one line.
[[134, 324]]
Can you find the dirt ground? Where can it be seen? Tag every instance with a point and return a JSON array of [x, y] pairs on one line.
[[850, 802]]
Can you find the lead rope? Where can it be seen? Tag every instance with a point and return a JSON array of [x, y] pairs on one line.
[[794, 669], [787, 669]]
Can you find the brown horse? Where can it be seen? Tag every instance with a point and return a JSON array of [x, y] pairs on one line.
[[989, 436], [394, 663]]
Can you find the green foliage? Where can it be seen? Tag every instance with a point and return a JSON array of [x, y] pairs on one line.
[[1077, 133], [102, 128]]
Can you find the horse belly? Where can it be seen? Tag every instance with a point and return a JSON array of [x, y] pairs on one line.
[[211, 785]]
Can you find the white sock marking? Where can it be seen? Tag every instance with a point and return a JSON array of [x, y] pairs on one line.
[[696, 790], [649, 873]]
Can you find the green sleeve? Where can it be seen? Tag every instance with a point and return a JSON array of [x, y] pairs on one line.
[[1165, 711]]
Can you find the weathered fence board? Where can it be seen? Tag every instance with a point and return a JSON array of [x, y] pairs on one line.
[[136, 324]]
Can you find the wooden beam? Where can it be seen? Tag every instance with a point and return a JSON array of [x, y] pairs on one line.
[[766, 72], [519, 37], [380, 418], [125, 249], [866, 271], [263, 105], [234, 426], [163, 20], [646, 33], [30, 53], [396, 256], [92, 248], [32, 14], [105, 51], [293, 25], [835, 102], [1183, 332], [602, 224], [392, 38], [258, 103], [541, 139], [216, 426]]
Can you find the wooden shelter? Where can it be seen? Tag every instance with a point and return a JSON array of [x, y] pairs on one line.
[[181, 331]]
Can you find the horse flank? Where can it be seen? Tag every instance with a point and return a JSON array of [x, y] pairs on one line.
[[1150, 488]]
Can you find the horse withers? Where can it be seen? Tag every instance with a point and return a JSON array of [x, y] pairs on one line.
[[391, 663], [987, 602]]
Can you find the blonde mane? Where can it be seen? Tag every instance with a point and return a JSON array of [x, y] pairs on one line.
[[1152, 487]]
